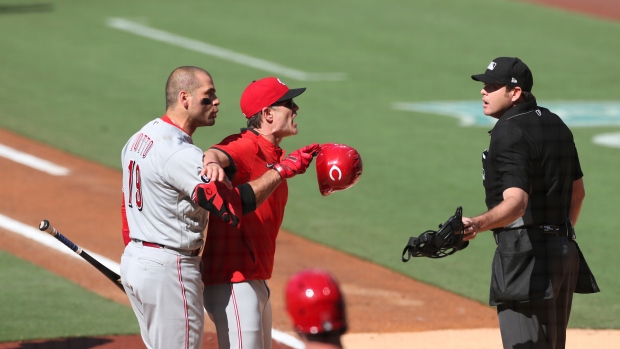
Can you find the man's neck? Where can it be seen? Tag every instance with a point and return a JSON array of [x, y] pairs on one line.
[[181, 122], [269, 136]]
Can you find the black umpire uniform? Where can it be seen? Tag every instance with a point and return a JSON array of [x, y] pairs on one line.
[[537, 264]]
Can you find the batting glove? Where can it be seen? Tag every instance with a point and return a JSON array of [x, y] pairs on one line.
[[298, 161]]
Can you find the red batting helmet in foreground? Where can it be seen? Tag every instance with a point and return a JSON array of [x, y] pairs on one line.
[[338, 167], [314, 302]]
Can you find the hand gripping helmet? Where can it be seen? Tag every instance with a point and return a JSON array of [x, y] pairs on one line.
[[338, 167], [314, 302]]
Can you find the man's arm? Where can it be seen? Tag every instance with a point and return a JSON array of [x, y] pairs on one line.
[[214, 161], [512, 207], [231, 204], [579, 194], [264, 185]]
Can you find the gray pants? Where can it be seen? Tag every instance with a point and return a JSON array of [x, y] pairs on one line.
[[165, 290], [241, 312], [541, 324]]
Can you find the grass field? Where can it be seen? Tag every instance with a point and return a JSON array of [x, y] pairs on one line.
[[72, 79], [28, 300]]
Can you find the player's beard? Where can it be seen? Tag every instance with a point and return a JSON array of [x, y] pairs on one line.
[[209, 119], [202, 119]]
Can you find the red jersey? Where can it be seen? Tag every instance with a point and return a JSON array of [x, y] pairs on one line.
[[247, 253]]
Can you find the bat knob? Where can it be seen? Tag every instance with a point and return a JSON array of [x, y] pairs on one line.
[[44, 225]]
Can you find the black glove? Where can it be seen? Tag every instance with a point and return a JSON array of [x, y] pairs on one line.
[[438, 244]]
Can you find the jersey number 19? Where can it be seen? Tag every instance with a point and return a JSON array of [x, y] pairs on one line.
[[134, 180]]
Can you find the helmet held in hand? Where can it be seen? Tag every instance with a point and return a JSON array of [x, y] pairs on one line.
[[338, 167]]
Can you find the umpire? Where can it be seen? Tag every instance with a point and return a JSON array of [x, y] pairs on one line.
[[534, 192]]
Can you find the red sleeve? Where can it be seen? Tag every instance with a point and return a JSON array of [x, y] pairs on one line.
[[241, 150], [125, 230]]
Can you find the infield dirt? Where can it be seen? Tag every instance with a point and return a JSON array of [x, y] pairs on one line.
[[385, 309], [85, 205]]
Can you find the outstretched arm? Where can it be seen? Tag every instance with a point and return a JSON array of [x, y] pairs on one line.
[[231, 203]]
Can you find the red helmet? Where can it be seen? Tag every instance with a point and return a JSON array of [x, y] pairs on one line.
[[314, 302], [338, 167]]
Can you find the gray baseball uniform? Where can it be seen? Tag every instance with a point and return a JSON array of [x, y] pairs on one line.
[[160, 267]]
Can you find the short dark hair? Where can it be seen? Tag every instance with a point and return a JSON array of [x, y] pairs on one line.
[[527, 96], [182, 78], [255, 120]]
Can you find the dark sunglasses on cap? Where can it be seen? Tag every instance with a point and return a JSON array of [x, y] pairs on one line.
[[287, 104]]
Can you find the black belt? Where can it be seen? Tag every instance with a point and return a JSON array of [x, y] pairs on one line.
[[565, 230], [195, 252]]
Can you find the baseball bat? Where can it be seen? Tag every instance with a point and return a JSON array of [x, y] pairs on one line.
[[114, 277]]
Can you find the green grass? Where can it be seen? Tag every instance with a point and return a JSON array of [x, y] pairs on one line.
[[73, 82], [37, 304]]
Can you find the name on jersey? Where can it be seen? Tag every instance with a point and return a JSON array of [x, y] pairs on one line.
[[142, 145]]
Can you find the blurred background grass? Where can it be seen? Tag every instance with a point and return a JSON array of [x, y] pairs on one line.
[[72, 81], [38, 304]]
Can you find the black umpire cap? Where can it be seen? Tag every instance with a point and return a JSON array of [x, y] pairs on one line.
[[509, 71]]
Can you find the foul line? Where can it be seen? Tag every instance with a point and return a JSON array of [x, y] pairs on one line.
[[287, 339], [219, 52], [32, 161], [51, 242]]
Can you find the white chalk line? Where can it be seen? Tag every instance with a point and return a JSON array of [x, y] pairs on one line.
[[33, 161], [219, 52], [46, 239]]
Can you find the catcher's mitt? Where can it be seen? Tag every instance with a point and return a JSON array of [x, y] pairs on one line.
[[438, 244]]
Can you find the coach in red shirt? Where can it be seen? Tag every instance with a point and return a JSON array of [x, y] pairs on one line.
[[237, 262]]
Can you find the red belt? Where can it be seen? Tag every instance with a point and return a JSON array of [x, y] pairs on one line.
[[195, 252]]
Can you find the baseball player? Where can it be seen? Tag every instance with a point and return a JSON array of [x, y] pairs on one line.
[[238, 262], [316, 307], [165, 209]]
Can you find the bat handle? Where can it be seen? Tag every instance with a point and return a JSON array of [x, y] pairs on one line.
[[48, 228]]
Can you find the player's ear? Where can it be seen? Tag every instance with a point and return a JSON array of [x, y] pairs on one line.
[[267, 114], [184, 99]]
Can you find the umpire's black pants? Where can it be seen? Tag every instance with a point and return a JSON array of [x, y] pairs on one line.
[[541, 324]]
